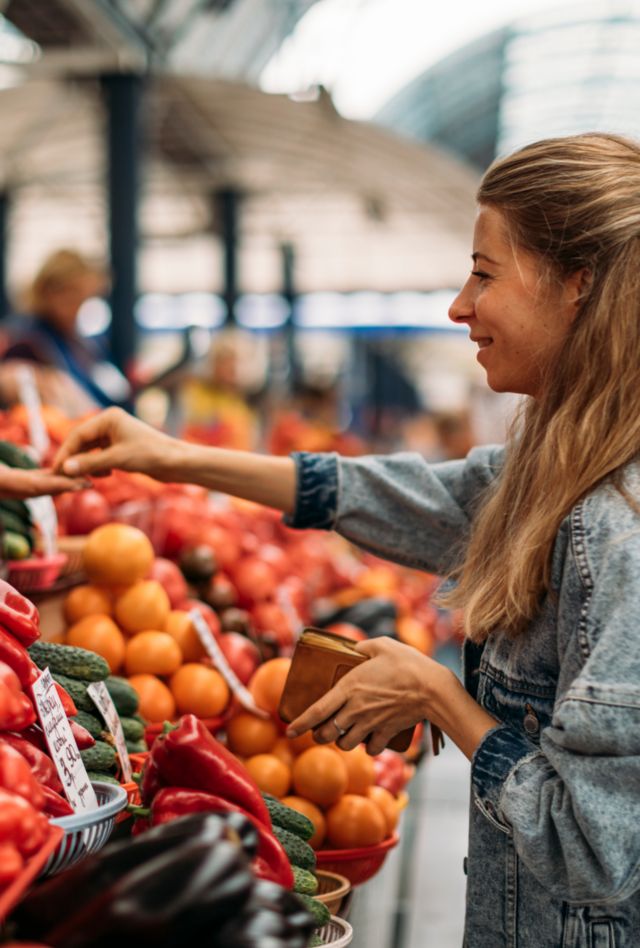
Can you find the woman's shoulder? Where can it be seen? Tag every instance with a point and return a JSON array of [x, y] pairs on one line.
[[610, 513]]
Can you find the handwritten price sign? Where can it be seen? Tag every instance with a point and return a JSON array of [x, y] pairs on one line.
[[62, 745], [104, 703]]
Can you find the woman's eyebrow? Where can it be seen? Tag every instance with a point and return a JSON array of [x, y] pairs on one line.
[[476, 255]]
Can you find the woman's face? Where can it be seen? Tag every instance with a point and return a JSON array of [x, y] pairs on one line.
[[517, 319], [64, 303]]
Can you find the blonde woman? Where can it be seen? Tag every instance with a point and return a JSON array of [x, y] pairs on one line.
[[542, 538]]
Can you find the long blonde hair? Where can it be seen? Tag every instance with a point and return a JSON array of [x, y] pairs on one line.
[[575, 203]]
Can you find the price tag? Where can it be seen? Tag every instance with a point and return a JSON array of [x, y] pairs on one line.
[[103, 701], [62, 745], [216, 654], [30, 398], [43, 514]]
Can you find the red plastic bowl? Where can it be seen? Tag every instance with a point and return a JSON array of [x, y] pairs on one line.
[[358, 865], [36, 574]]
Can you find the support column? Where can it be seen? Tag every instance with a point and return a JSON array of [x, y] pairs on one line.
[[227, 206], [289, 294], [122, 94], [5, 306]]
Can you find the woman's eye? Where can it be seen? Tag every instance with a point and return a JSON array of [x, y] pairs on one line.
[[481, 274]]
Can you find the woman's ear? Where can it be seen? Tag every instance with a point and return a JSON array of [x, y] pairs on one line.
[[578, 287]]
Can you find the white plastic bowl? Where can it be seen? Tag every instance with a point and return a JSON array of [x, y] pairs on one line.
[[336, 932]]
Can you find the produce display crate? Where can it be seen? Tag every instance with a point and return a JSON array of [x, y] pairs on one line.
[[36, 574], [358, 865], [86, 833], [14, 892]]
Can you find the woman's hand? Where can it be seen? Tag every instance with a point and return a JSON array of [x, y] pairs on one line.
[[18, 484], [394, 690], [122, 442]]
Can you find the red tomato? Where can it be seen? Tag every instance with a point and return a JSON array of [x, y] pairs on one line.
[[254, 580], [224, 543], [390, 772], [170, 578], [268, 617], [88, 510], [242, 655]]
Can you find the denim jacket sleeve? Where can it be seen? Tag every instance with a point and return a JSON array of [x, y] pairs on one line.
[[399, 506], [573, 805]]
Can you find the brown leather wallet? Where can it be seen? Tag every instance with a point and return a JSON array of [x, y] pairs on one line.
[[319, 661]]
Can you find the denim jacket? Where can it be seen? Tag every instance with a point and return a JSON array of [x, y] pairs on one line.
[[554, 835]]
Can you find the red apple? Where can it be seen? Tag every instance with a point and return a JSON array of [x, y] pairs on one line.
[[171, 579], [88, 510]]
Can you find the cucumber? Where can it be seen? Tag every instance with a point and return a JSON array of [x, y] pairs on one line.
[[91, 723], [133, 729], [123, 695], [15, 546], [16, 525], [18, 508], [100, 757], [299, 853], [304, 882], [69, 660], [319, 910], [137, 747], [288, 818], [13, 456], [77, 691], [98, 775]]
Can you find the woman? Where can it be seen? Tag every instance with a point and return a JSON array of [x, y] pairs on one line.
[[542, 538], [71, 371]]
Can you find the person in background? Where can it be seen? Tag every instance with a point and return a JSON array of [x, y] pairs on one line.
[[540, 539], [70, 370]]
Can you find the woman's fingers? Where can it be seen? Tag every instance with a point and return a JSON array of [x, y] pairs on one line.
[[320, 713], [20, 484], [96, 432]]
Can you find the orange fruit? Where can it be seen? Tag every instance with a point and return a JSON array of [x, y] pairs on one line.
[[267, 683], [100, 634], [413, 632], [313, 813], [181, 628], [199, 690], [86, 600], [248, 735], [388, 806], [156, 701], [302, 743], [355, 821], [269, 773], [283, 752], [360, 769], [117, 555], [320, 775], [145, 605], [152, 653]]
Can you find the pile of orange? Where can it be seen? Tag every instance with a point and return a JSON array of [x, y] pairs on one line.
[[335, 789], [129, 621]]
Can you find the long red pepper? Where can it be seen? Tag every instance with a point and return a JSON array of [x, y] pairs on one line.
[[42, 767], [54, 804], [21, 824], [173, 802], [16, 711], [16, 776], [68, 704], [11, 864], [15, 655], [83, 738], [18, 615], [190, 756]]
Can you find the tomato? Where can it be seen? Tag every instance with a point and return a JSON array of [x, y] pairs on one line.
[[224, 543], [254, 580], [390, 773], [269, 617], [170, 578], [88, 510], [242, 655], [355, 821]]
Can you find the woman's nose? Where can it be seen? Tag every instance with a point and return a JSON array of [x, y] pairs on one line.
[[462, 306]]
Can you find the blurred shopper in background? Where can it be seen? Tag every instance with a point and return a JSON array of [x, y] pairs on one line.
[[541, 539], [215, 403], [71, 371]]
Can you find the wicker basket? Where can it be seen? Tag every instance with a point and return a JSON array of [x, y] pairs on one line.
[[336, 932], [332, 889]]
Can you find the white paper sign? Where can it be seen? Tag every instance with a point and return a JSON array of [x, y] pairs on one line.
[[43, 514], [103, 701], [216, 654], [30, 398], [62, 745]]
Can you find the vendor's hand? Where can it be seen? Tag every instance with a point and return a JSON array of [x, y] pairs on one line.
[[18, 484], [121, 440], [377, 699]]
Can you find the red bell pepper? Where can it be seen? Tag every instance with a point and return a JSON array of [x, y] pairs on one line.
[[15, 655], [42, 767], [83, 738], [173, 802], [151, 781], [16, 776], [16, 711], [21, 824], [54, 804], [190, 756], [11, 864], [18, 615]]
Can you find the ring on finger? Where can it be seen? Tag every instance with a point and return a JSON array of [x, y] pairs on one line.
[[341, 730]]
